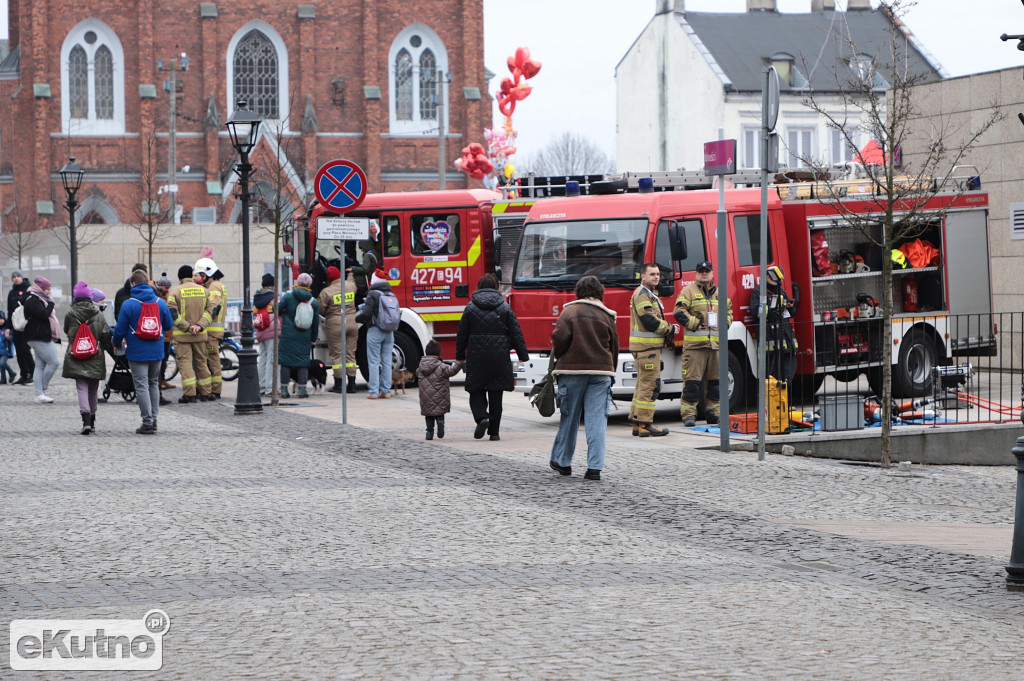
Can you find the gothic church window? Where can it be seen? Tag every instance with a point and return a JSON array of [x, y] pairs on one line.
[[257, 72], [92, 80], [418, 61]]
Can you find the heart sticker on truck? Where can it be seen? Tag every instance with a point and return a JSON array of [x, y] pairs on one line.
[[435, 234]]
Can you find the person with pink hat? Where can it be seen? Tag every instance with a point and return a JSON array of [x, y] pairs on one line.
[[86, 369]]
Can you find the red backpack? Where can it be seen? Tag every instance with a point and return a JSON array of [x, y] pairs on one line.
[[261, 320], [148, 326], [84, 346]]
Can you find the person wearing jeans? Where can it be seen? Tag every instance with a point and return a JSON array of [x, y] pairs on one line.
[[585, 346], [379, 343], [43, 333], [144, 355]]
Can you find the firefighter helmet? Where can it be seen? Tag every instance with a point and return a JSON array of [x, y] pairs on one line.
[[206, 265], [775, 274], [899, 260]]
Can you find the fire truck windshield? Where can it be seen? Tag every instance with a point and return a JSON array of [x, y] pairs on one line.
[[557, 254]]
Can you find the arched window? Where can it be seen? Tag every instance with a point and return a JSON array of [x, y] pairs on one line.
[[257, 71], [256, 74], [418, 62], [92, 80]]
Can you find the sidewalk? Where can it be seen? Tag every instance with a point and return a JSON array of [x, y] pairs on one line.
[[287, 545]]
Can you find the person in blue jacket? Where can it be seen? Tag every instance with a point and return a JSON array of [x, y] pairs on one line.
[[144, 356]]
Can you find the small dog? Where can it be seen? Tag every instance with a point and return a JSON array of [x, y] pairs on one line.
[[317, 374], [399, 377]]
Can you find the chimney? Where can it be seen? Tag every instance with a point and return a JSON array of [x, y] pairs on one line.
[[858, 5], [823, 5], [762, 5], [666, 6]]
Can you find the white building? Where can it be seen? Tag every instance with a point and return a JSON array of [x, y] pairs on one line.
[[689, 74]]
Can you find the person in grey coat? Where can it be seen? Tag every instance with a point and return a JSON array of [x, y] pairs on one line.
[[295, 344], [435, 392], [90, 371], [488, 332]]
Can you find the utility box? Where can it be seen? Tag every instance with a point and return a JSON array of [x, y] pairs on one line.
[[842, 412]]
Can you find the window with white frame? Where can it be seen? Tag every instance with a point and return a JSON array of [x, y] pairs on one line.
[[799, 145], [257, 72], [418, 63], [843, 144], [92, 80], [751, 148]]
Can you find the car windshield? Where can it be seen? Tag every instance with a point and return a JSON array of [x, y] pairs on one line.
[[557, 254]]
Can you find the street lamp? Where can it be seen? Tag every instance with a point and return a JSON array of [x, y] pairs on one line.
[[243, 127], [71, 175]]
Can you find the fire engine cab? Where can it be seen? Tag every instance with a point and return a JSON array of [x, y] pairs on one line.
[[611, 236]]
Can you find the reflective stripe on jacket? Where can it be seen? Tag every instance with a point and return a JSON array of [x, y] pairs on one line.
[[693, 309], [643, 303]]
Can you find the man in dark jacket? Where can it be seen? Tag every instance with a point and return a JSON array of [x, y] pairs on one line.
[[125, 292], [379, 343], [586, 347], [15, 297], [488, 332], [144, 356]]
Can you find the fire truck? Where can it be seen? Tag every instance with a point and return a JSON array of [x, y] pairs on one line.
[[435, 246], [612, 235]]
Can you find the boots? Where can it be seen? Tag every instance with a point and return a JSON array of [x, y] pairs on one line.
[[284, 392], [86, 423], [336, 388], [641, 429], [440, 427], [92, 422], [351, 386], [302, 392]]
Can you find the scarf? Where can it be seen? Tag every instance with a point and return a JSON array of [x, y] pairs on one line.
[[54, 324]]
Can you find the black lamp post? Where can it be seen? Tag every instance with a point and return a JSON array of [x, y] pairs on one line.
[[71, 175], [243, 127]]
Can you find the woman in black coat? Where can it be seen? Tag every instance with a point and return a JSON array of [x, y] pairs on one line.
[[488, 332]]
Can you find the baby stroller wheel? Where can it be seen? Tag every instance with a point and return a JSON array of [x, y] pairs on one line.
[[106, 393], [128, 395]]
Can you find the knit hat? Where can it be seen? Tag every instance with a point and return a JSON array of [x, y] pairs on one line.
[[378, 277], [164, 280], [333, 273], [81, 290], [185, 272], [433, 348], [267, 280], [97, 296], [304, 280], [17, 273], [43, 283]]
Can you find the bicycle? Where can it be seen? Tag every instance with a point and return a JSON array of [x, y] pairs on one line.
[[229, 349]]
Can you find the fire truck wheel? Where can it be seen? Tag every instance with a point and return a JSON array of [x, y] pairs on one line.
[[912, 377], [740, 381]]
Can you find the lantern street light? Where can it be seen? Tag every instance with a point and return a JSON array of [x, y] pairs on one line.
[[243, 127], [71, 176]]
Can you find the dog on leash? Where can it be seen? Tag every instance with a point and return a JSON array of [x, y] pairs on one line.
[[317, 374], [399, 377]]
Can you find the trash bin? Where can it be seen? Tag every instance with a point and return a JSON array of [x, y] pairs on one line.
[[842, 412]]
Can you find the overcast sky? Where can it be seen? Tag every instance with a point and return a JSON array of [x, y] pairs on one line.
[[579, 43]]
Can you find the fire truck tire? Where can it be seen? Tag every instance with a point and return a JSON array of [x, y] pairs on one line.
[[739, 383], [407, 353], [912, 376]]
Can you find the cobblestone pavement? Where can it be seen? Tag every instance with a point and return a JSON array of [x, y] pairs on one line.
[[284, 546]]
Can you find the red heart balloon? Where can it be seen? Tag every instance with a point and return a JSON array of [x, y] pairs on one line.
[[530, 68]]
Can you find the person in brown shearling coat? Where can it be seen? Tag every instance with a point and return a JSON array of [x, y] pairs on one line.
[[435, 391]]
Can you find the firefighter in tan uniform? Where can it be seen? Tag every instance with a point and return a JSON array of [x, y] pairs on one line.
[[207, 275], [187, 302], [696, 310], [647, 332], [333, 303]]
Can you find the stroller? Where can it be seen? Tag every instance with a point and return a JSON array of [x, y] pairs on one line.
[[120, 380]]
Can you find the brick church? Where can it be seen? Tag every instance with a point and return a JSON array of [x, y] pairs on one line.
[[364, 80]]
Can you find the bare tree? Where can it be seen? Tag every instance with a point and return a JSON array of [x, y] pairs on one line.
[[904, 199], [569, 154], [147, 218], [15, 238]]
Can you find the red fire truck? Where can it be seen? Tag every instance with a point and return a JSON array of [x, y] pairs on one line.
[[611, 236]]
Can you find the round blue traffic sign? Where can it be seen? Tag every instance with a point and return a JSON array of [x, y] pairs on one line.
[[340, 186]]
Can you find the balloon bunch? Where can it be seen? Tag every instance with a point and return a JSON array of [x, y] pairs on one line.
[[515, 89], [474, 161], [500, 147]]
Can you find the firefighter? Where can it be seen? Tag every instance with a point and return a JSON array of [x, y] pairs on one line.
[[779, 308], [332, 306], [187, 302], [696, 310], [206, 274], [647, 333]]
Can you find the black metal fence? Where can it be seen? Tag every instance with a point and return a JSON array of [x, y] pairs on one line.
[[947, 369]]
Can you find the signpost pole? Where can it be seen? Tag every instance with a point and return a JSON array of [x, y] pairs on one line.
[[769, 115]]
